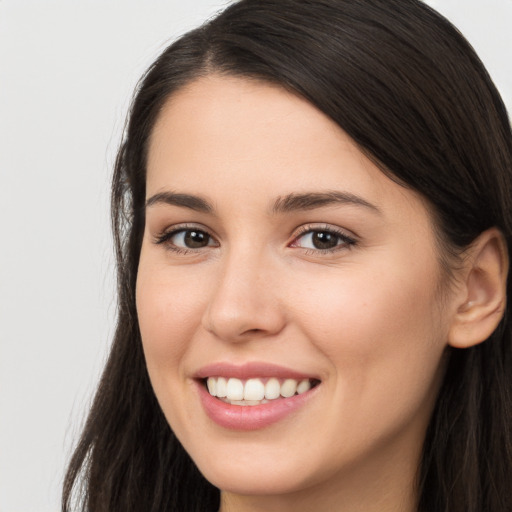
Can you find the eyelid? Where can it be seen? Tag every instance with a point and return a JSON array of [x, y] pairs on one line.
[[163, 236], [347, 237]]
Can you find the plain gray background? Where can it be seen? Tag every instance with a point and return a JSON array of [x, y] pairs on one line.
[[67, 70]]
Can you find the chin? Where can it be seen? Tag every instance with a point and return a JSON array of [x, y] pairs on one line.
[[254, 477]]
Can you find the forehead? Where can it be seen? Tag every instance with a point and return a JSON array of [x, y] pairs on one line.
[[247, 118], [220, 135]]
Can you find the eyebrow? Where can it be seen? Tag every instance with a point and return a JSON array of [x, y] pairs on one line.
[[195, 203], [312, 200], [283, 204]]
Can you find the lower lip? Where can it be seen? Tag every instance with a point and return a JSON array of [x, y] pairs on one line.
[[251, 417]]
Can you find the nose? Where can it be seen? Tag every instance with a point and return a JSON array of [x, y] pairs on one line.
[[244, 303]]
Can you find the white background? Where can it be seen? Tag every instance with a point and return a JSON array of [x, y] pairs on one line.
[[67, 70]]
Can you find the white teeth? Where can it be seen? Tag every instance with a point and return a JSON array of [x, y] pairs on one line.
[[247, 402], [212, 386], [272, 389], [304, 385], [289, 388], [254, 391], [221, 388], [235, 389]]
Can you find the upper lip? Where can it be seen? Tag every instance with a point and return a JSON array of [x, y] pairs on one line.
[[250, 370]]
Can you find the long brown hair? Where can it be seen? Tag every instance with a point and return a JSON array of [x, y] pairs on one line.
[[411, 92]]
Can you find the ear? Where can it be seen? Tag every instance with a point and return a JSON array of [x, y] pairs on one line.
[[483, 291]]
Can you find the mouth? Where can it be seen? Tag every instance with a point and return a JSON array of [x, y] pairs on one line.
[[256, 391], [254, 395]]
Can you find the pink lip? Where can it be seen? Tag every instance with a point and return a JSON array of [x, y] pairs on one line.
[[250, 417], [249, 371], [237, 417]]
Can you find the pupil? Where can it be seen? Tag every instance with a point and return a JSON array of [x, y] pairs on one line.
[[196, 239], [324, 240]]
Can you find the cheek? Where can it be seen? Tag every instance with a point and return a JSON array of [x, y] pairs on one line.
[[382, 332], [169, 313], [365, 306]]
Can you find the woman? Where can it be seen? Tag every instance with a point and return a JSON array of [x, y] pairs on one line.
[[312, 218]]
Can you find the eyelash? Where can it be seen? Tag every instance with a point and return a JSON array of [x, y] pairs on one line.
[[165, 237], [347, 241]]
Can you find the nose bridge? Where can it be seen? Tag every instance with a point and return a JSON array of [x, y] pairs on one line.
[[244, 303]]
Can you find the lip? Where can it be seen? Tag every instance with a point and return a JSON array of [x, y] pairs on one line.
[[251, 417], [254, 417], [250, 370]]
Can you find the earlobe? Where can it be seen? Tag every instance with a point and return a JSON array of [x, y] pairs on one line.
[[483, 291]]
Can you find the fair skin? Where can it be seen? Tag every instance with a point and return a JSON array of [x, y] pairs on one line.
[[240, 275]]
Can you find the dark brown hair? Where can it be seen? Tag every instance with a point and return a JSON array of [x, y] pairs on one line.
[[411, 92]]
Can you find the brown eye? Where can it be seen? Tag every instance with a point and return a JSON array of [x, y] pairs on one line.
[[194, 239], [190, 238], [323, 240]]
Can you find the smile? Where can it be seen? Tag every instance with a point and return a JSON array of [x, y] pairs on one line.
[[254, 395], [256, 391]]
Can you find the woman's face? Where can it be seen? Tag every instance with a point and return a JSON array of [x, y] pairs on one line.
[[276, 253]]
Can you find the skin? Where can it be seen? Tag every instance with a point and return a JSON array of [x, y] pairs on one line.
[[370, 319]]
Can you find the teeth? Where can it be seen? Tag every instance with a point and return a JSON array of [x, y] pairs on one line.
[[212, 386], [235, 389], [254, 391], [288, 388], [272, 389], [247, 402], [304, 385], [221, 387]]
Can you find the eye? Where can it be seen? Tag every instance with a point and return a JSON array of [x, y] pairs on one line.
[[191, 239], [322, 239], [183, 239]]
